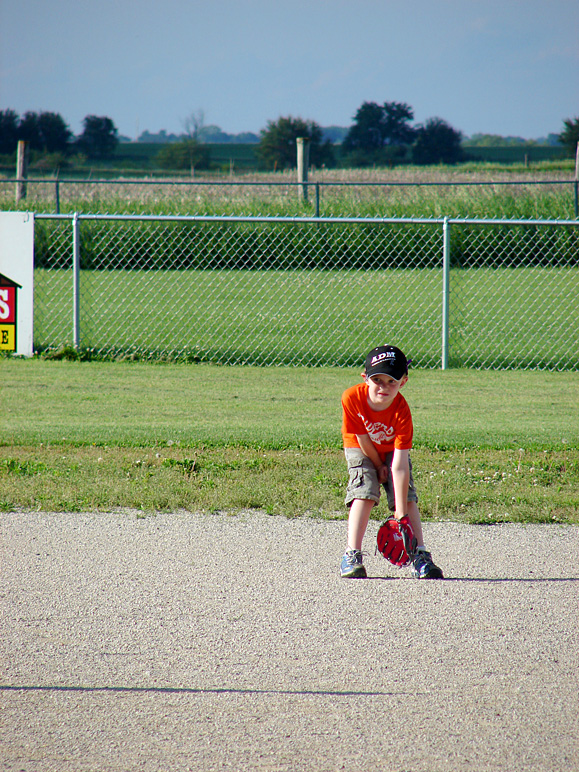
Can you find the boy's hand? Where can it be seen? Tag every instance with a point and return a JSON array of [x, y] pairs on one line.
[[408, 536], [383, 473]]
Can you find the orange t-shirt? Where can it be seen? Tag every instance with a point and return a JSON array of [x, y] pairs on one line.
[[388, 429]]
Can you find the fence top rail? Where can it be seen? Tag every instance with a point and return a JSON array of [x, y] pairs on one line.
[[309, 220], [288, 183]]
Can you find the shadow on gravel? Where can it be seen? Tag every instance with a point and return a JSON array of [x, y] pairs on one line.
[[189, 690], [472, 579], [511, 579]]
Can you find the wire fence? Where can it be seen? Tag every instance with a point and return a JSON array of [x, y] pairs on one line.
[[324, 197], [310, 291]]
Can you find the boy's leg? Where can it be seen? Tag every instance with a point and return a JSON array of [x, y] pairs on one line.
[[362, 494], [415, 522], [352, 563], [411, 503], [423, 566], [358, 522]]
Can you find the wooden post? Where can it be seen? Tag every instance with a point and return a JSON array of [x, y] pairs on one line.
[[21, 170], [303, 149]]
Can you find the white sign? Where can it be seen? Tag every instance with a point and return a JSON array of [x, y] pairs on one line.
[[17, 265]]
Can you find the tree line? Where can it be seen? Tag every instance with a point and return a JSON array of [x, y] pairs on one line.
[[47, 132], [381, 135]]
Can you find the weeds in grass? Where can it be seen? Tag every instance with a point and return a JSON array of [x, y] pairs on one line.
[[502, 486], [26, 468], [473, 486]]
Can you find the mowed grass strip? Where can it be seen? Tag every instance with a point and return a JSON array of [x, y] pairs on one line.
[[141, 404], [490, 446]]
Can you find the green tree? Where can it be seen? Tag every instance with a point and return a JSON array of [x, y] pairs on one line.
[[277, 147], [8, 131], [380, 134], [185, 154], [569, 137], [367, 132], [45, 132], [397, 131], [29, 130], [55, 135], [377, 126], [437, 142], [99, 138]]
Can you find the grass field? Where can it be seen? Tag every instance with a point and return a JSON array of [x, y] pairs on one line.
[[489, 446], [243, 154], [258, 317], [315, 317]]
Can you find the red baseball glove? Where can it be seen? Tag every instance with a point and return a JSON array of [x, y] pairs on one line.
[[396, 541]]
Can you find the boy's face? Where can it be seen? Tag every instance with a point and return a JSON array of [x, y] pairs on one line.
[[382, 389]]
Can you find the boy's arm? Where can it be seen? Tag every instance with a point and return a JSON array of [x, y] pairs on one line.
[[401, 480], [369, 449]]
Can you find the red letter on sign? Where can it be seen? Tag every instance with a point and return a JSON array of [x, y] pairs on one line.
[[7, 304]]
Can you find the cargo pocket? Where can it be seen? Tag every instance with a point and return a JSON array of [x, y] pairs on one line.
[[356, 472]]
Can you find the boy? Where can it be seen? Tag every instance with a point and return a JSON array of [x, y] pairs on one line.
[[377, 432]]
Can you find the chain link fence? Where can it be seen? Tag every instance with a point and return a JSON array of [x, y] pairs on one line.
[[309, 291]]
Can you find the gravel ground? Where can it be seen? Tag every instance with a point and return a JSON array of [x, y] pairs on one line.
[[209, 642]]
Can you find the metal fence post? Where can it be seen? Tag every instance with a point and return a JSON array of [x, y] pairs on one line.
[[317, 199], [75, 281], [445, 291]]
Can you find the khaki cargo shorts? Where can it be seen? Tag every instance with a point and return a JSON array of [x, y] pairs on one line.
[[363, 479]]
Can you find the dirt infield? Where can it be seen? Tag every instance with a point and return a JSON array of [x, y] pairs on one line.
[[210, 642]]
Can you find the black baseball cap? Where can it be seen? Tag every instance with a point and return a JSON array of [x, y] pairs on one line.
[[386, 360]]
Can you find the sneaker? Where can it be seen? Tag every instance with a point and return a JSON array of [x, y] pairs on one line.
[[424, 568], [352, 566]]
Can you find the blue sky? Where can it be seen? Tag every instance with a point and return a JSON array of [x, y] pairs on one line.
[[507, 67]]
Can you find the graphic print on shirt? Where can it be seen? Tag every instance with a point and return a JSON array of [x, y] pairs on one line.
[[379, 432]]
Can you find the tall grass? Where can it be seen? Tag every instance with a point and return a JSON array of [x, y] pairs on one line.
[[369, 193]]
